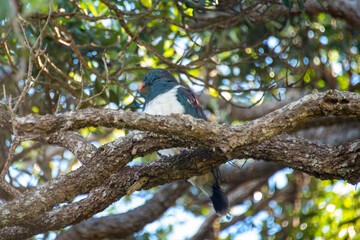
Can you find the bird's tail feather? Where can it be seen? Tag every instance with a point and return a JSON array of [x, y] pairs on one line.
[[208, 183], [220, 201]]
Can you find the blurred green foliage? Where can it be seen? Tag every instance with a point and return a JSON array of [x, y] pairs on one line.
[[239, 60]]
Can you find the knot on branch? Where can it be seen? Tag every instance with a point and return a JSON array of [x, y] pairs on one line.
[[341, 103], [334, 97], [26, 124]]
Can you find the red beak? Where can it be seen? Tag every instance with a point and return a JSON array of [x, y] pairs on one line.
[[142, 86]]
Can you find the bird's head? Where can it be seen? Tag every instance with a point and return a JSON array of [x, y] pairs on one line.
[[156, 74]]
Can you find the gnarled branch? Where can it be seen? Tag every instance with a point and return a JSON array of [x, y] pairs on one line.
[[314, 158]]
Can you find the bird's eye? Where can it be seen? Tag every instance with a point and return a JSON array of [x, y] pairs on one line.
[[149, 74]]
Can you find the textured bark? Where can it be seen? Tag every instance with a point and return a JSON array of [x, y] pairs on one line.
[[122, 225], [323, 164], [332, 162], [274, 123], [105, 178], [125, 224], [5, 119], [72, 141], [107, 160]]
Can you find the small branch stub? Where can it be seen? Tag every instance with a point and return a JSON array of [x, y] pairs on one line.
[[137, 185]]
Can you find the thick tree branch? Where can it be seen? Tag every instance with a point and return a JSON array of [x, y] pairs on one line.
[[338, 162], [98, 200], [72, 141], [107, 160], [178, 167], [266, 127], [114, 226], [122, 225], [112, 157]]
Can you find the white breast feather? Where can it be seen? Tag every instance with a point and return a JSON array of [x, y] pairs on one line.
[[165, 104]]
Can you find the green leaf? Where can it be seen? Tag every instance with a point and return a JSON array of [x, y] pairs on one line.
[[113, 97], [248, 23], [92, 9], [146, 3], [144, 37], [102, 8], [98, 86], [287, 3], [301, 5]]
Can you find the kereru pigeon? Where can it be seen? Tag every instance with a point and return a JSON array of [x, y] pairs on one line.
[[167, 96]]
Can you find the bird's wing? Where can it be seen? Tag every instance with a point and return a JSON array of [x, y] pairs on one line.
[[190, 103]]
